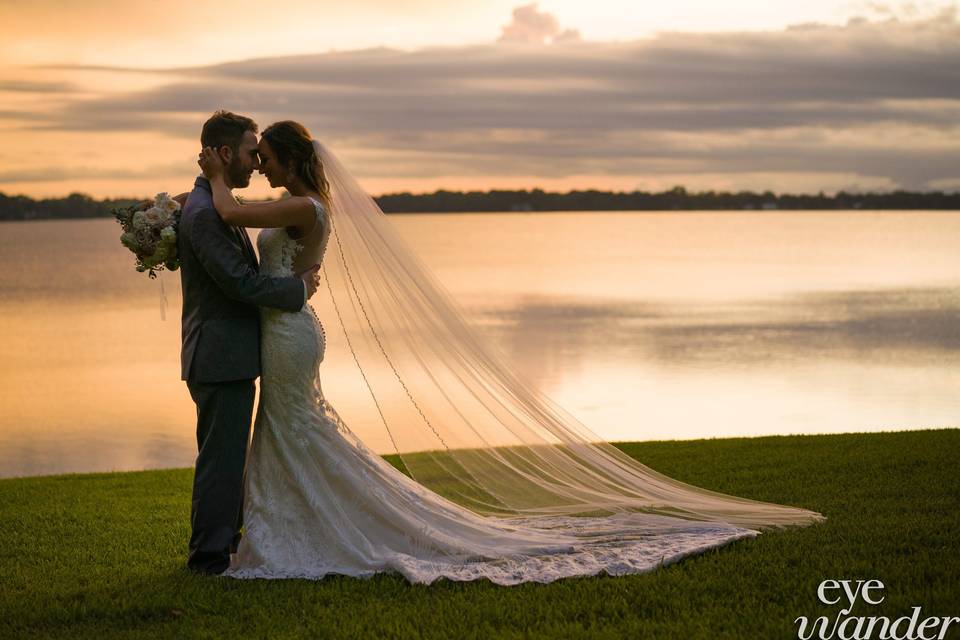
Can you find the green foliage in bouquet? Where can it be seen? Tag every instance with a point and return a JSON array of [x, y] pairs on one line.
[[150, 232]]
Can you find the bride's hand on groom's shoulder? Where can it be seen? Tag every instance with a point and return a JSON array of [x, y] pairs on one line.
[[210, 163]]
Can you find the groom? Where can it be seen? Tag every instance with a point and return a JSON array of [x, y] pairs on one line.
[[220, 356]]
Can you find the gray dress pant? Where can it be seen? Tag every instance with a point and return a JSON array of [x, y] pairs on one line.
[[224, 412]]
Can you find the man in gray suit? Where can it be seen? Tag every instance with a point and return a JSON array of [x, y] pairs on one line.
[[220, 357]]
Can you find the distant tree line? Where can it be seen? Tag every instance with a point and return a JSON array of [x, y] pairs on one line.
[[675, 199], [78, 205]]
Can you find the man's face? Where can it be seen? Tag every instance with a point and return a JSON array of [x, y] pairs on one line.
[[245, 162]]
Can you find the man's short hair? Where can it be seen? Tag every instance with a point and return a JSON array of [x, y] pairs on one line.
[[226, 128]]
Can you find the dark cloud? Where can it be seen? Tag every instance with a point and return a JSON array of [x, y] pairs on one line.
[[876, 99], [28, 86], [59, 173]]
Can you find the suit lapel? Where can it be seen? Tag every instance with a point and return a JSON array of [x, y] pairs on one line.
[[247, 245]]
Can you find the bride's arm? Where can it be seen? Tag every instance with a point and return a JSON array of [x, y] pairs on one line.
[[292, 212]]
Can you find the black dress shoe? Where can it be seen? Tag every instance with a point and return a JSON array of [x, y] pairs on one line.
[[210, 570]]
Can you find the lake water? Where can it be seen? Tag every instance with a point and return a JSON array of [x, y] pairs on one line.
[[643, 325]]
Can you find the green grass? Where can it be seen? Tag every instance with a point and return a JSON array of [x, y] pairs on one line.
[[102, 555]]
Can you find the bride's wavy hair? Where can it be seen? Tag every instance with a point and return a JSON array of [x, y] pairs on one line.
[[293, 144]]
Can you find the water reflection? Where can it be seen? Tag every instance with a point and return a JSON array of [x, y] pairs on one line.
[[908, 326], [663, 327], [805, 363]]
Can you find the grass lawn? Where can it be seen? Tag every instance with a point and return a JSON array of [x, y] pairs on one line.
[[102, 555]]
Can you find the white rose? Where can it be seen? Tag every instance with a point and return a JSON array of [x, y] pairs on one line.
[[139, 220], [171, 206], [167, 234], [155, 216]]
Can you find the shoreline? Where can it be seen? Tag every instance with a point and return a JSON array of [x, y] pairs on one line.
[[621, 444]]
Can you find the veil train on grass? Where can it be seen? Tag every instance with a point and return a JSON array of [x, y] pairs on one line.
[[462, 420]]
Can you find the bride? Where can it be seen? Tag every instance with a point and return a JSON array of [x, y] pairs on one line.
[[502, 483]]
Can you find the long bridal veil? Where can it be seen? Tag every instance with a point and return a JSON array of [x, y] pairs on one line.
[[464, 423]]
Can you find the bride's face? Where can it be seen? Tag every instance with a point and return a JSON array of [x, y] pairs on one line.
[[270, 166]]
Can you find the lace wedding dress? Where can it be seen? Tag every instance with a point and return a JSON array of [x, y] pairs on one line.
[[318, 502]]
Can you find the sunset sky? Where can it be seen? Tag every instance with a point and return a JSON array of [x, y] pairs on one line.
[[107, 97]]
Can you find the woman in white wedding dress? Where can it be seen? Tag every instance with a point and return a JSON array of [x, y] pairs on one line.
[[319, 502]]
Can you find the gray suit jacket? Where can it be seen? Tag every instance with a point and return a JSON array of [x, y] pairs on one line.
[[222, 288]]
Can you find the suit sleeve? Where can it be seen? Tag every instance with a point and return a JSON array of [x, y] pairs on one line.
[[223, 259]]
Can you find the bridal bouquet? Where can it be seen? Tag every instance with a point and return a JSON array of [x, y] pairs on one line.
[[151, 234]]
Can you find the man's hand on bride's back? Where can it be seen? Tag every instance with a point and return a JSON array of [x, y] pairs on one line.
[[311, 278]]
